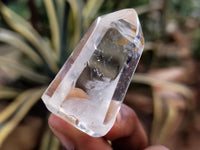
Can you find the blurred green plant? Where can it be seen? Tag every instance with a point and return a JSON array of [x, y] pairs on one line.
[[68, 20], [44, 54], [196, 44]]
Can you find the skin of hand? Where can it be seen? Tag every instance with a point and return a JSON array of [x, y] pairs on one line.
[[127, 133]]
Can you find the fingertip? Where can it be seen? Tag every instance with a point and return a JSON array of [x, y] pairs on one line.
[[124, 124], [128, 131], [51, 120], [72, 138], [56, 124]]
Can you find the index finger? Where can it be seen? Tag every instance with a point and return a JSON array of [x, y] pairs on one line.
[[127, 132]]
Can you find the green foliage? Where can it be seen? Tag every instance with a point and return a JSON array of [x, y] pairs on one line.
[[181, 9], [196, 44], [20, 7]]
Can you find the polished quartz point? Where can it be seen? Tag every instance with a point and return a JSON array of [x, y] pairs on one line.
[[90, 87]]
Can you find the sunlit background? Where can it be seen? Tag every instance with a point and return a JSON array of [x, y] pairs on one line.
[[37, 36]]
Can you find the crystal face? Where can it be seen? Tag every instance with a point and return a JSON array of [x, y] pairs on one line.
[[89, 88]]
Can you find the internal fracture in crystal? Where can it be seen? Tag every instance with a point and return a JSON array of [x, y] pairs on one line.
[[90, 87]]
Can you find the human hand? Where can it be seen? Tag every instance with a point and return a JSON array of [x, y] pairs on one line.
[[126, 134]]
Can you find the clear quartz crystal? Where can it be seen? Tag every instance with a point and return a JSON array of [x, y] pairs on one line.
[[89, 88]]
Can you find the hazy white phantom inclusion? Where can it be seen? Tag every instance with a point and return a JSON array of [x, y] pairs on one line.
[[89, 88]]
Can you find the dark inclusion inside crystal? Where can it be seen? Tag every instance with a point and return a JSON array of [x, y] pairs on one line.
[[109, 57], [107, 60]]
